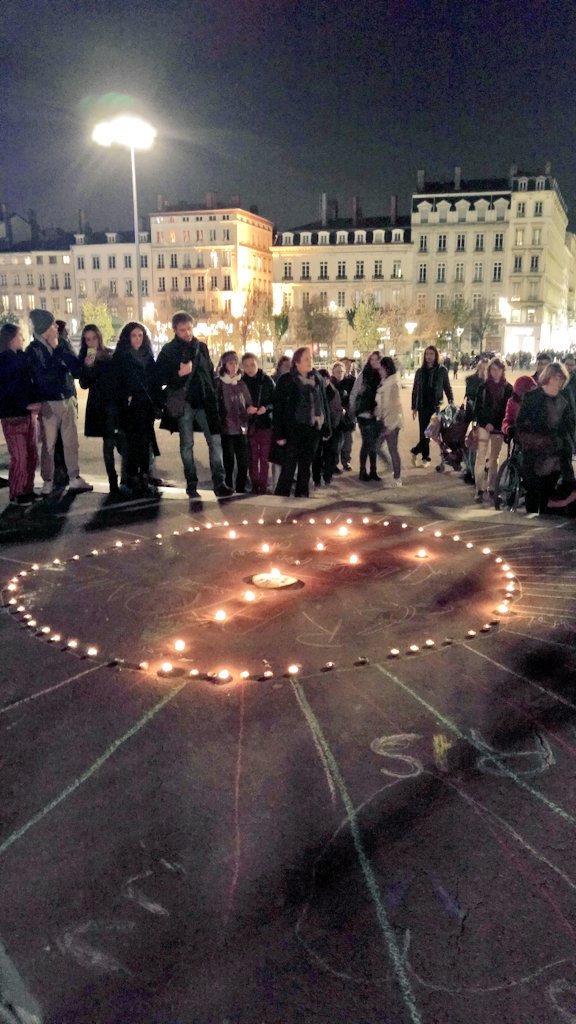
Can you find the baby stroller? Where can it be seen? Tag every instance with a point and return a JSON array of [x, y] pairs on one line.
[[448, 428]]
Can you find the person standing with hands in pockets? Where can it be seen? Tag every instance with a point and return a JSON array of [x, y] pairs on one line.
[[185, 368]]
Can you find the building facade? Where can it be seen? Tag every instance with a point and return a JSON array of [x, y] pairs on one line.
[[496, 249], [40, 279]]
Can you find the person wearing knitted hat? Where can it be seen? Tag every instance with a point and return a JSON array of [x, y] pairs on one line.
[[53, 369]]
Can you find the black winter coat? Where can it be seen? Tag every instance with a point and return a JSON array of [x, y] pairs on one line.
[[200, 380], [261, 388], [16, 390], [440, 387], [138, 392], [52, 370], [537, 441], [487, 409], [286, 402], [102, 404]]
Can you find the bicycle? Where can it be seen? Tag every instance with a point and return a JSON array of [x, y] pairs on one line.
[[509, 489]]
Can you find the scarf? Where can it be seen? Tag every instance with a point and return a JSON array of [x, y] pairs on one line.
[[309, 401]]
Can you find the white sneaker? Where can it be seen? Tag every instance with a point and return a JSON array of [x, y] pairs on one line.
[[47, 488], [79, 484], [396, 483]]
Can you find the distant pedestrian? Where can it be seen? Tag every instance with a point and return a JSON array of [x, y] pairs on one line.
[[431, 383], [300, 414], [389, 413], [362, 406], [234, 400], [489, 411], [261, 388], [98, 378], [138, 392], [455, 366]]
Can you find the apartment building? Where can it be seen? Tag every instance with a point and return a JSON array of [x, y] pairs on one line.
[[500, 244], [215, 257], [104, 267], [335, 261], [41, 279]]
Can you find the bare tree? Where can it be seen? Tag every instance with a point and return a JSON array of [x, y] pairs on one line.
[[483, 323]]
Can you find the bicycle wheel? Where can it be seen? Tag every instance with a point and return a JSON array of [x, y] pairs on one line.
[[508, 486]]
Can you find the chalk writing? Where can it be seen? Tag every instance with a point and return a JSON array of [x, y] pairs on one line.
[[441, 745], [526, 762], [404, 766], [78, 943]]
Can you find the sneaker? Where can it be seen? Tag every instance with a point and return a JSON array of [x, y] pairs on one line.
[[78, 484], [347, 467], [414, 460], [396, 483], [223, 491], [47, 488], [479, 497]]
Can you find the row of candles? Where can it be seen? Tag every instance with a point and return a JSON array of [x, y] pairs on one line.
[[274, 578]]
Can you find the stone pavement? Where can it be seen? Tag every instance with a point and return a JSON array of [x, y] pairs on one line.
[[369, 819]]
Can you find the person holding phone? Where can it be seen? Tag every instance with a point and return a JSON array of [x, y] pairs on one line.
[[97, 377], [185, 370]]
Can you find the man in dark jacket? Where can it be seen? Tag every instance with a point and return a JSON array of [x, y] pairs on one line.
[[185, 368], [53, 369]]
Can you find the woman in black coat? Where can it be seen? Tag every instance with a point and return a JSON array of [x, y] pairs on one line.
[[138, 395], [431, 383], [18, 415], [98, 378], [300, 416], [545, 429]]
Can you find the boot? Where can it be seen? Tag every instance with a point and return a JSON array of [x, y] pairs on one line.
[[113, 484]]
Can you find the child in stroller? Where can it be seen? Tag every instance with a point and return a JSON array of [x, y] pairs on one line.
[[448, 428]]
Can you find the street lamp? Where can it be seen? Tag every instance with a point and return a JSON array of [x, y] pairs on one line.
[[134, 133]]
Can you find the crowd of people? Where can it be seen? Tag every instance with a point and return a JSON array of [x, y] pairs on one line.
[[282, 432]]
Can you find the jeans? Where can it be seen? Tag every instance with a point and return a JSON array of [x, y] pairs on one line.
[[345, 447], [186, 423], [259, 442], [488, 451], [424, 417], [235, 449], [369, 430], [391, 440]]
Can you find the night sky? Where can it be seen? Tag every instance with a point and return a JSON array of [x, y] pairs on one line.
[[279, 100]]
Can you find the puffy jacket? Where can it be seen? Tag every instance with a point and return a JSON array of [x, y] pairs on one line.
[[52, 370]]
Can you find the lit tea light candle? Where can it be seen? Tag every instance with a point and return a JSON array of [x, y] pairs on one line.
[[260, 522], [456, 536], [11, 586], [293, 670], [94, 552], [486, 551], [509, 575], [429, 643], [498, 561], [232, 534], [329, 666], [437, 533], [21, 608], [224, 676], [320, 546], [311, 521], [179, 645], [72, 644], [119, 544], [349, 521], [46, 629], [91, 652], [220, 615], [471, 632], [265, 548], [244, 674], [143, 665], [404, 526], [194, 672], [394, 652], [55, 638], [505, 568], [328, 522], [13, 600], [267, 673], [365, 520], [273, 580], [208, 526], [35, 567], [75, 558], [422, 553], [24, 573], [158, 536], [56, 561], [503, 609], [485, 628], [31, 623], [469, 544], [342, 531], [249, 595], [354, 559], [386, 523], [413, 648], [420, 529]]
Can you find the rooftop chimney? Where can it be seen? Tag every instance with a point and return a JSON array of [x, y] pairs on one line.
[[513, 171], [420, 180], [457, 179], [324, 209], [393, 209]]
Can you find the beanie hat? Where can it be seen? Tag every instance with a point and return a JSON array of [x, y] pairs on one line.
[[524, 384], [41, 320]]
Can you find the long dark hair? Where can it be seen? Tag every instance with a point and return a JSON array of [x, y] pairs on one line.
[[123, 344], [388, 364], [430, 348], [7, 333], [102, 351]]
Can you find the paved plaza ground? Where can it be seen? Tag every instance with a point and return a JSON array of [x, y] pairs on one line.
[[350, 800]]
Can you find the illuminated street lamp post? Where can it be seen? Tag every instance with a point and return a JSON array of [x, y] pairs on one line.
[[134, 133]]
